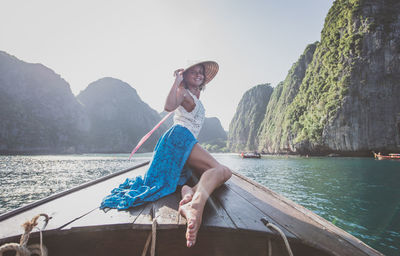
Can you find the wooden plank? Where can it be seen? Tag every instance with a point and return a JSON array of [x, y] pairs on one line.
[[309, 227], [166, 211], [68, 208], [215, 216], [98, 218], [244, 214], [145, 219]]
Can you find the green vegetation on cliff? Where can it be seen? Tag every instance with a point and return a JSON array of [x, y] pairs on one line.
[[326, 81], [270, 134], [342, 95], [248, 117]]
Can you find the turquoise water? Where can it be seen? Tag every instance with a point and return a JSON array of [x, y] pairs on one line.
[[359, 195]]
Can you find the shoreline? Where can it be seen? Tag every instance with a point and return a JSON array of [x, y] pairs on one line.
[[336, 154]]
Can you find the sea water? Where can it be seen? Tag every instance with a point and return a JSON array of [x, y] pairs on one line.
[[359, 195]]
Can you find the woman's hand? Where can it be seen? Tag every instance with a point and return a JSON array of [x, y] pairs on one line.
[[177, 93], [178, 74]]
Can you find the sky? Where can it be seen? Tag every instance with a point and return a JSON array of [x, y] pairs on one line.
[[143, 42]]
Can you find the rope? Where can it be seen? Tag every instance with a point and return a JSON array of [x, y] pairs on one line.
[[22, 249], [274, 227], [153, 240], [151, 237], [41, 242], [146, 246], [269, 247]]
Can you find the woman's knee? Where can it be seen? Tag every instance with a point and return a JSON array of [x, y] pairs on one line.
[[200, 160], [226, 173]]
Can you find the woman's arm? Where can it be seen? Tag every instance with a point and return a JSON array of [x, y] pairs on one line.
[[178, 95]]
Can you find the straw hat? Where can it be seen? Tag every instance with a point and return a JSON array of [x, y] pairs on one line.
[[210, 70]]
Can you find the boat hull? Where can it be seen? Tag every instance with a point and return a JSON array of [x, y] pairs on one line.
[[124, 240]]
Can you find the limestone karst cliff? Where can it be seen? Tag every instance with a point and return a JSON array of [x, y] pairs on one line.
[[348, 100], [345, 96], [249, 114], [38, 113], [212, 131], [272, 134], [369, 114], [118, 117]]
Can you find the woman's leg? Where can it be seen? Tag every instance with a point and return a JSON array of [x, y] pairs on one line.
[[213, 174]]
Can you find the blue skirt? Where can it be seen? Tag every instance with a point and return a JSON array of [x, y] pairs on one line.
[[165, 173]]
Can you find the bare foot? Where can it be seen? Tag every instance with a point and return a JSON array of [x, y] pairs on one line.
[[187, 194], [193, 215]]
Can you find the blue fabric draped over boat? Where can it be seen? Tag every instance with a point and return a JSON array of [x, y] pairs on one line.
[[167, 170]]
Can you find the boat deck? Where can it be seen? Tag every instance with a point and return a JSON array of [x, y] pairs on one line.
[[232, 220]]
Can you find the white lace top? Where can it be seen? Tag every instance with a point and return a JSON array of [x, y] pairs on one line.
[[192, 120]]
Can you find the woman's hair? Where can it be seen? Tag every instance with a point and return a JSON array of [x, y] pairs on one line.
[[202, 86]]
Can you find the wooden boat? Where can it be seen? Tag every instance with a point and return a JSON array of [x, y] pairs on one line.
[[250, 155], [379, 156], [231, 224]]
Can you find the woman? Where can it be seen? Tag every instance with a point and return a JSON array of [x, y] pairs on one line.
[[175, 150]]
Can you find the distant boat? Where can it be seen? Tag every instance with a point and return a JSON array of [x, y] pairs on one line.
[[250, 155], [379, 156]]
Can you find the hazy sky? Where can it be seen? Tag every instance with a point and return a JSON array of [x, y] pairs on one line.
[[143, 42]]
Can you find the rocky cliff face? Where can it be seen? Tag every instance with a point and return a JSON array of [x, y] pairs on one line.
[[272, 137], [212, 131], [343, 93], [248, 117], [348, 100], [369, 116], [118, 117], [38, 113]]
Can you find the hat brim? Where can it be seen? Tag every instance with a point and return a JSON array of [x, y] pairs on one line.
[[210, 70]]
